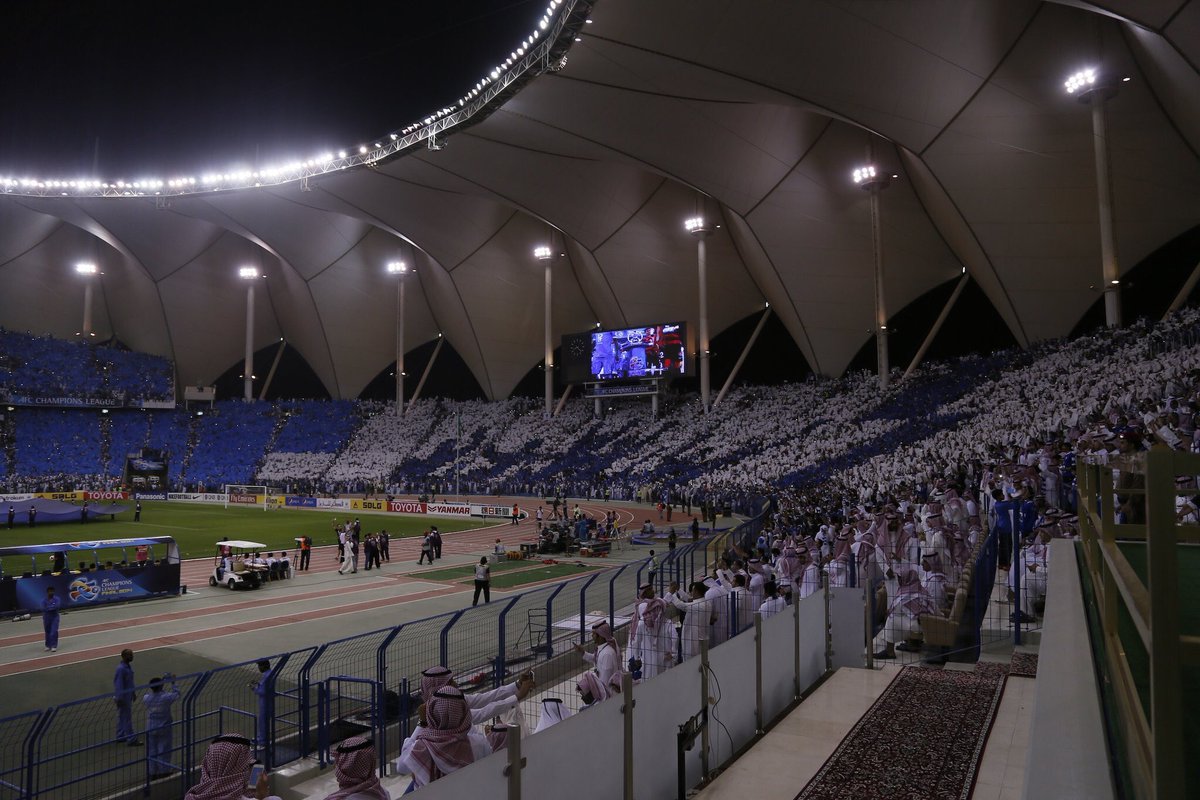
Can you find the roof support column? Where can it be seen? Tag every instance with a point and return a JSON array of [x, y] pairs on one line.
[[428, 368], [937, 325], [762, 321]]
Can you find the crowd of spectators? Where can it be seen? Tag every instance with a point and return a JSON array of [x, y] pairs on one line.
[[44, 367]]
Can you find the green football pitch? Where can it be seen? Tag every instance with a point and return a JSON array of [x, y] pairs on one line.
[[197, 528]]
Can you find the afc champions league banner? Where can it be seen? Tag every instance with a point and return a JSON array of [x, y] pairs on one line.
[[96, 588]]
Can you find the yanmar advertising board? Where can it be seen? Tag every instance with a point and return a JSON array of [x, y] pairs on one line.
[[406, 507], [448, 509]]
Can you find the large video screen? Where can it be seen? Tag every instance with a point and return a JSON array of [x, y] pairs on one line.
[[648, 351]]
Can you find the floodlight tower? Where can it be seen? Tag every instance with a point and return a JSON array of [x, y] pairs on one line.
[[874, 180], [545, 255], [249, 275], [88, 271], [699, 227], [399, 269], [1095, 87]]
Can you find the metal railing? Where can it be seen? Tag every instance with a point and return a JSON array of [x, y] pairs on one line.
[[315, 697], [1143, 488]]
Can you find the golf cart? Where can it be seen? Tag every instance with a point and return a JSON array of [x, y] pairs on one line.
[[232, 569]]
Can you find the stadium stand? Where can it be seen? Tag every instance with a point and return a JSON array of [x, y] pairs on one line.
[[36, 367]]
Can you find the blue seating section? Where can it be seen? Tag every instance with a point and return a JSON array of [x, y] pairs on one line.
[[169, 431], [41, 367], [315, 426], [52, 441], [231, 440], [128, 431]]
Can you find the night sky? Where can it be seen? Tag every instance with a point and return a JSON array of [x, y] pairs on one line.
[[132, 89]]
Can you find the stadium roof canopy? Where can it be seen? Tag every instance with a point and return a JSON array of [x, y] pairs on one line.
[[756, 112]]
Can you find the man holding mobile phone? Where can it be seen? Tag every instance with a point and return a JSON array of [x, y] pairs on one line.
[[229, 770]]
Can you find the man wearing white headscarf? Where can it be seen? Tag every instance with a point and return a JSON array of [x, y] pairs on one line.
[[606, 658], [698, 619], [553, 711], [717, 593], [652, 640]]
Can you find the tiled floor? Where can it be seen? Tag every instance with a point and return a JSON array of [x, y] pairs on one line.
[[1002, 771], [779, 766]]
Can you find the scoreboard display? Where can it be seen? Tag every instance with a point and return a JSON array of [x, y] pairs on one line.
[[639, 353]]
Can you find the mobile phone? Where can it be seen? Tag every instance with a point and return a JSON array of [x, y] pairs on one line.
[[255, 772]]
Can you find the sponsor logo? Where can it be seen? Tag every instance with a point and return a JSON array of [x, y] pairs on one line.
[[15, 497], [369, 505], [406, 507], [300, 502], [150, 495], [332, 502], [83, 590], [206, 497], [243, 499], [105, 496], [60, 495], [449, 509], [478, 510]]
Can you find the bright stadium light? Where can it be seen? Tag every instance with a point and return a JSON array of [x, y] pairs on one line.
[[542, 253], [695, 225], [247, 273], [86, 268], [397, 268]]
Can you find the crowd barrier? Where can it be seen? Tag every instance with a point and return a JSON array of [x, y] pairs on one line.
[[317, 696]]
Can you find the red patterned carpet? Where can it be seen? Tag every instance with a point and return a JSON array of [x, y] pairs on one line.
[[1024, 665], [922, 739]]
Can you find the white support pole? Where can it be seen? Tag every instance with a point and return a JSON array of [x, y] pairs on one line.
[[562, 401], [549, 341], [400, 345], [87, 306], [1184, 292], [762, 321], [262, 393], [654, 405], [421, 383], [598, 412], [702, 282], [937, 325], [881, 346], [1108, 245], [248, 382]]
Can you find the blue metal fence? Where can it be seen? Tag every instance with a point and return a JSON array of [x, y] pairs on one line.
[[315, 697]]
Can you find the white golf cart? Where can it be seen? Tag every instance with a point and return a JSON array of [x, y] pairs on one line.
[[233, 570]]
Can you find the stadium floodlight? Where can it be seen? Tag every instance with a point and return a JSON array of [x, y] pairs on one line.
[[695, 225], [1095, 87], [1080, 80], [869, 177], [397, 268], [247, 273], [86, 268], [542, 253]]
